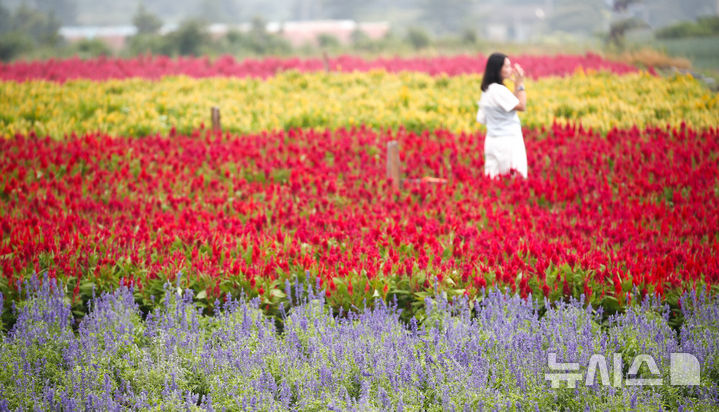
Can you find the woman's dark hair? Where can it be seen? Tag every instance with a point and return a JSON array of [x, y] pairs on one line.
[[493, 71]]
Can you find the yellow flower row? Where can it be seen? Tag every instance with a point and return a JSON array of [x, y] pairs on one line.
[[377, 99]]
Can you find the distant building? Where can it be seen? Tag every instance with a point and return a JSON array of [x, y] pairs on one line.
[[113, 36], [303, 32]]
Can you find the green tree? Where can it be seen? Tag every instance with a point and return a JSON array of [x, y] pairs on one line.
[[328, 41], [13, 44], [622, 24], [618, 30], [418, 38], [42, 28], [189, 39], [469, 37], [263, 42], [88, 48], [704, 26], [256, 41], [146, 22], [148, 43], [24, 30], [360, 40]]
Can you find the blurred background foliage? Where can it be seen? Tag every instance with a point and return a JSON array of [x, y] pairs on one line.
[[662, 33]]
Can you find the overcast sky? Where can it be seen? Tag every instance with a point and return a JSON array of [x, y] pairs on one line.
[[397, 12]]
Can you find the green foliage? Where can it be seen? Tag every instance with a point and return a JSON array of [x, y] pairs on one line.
[[89, 48], [189, 39], [257, 41], [146, 22], [352, 291], [13, 45], [192, 38], [359, 37], [469, 36], [26, 29], [703, 51], [327, 41], [42, 28], [361, 42], [147, 44], [418, 38], [126, 354], [704, 26], [618, 31]]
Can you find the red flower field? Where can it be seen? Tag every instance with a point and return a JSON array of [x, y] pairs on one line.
[[598, 215], [155, 67]]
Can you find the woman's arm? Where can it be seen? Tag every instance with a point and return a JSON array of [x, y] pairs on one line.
[[519, 90], [481, 116]]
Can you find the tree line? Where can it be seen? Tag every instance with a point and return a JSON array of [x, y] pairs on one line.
[[31, 28]]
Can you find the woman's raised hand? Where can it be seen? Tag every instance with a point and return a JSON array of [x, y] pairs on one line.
[[518, 74]]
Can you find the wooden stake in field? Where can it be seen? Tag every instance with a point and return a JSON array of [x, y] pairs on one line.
[[216, 126], [326, 61], [393, 163]]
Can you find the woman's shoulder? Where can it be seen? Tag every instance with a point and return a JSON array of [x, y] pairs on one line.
[[495, 87], [493, 92]]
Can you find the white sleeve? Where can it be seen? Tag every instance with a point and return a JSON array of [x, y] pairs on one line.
[[481, 116], [506, 99]]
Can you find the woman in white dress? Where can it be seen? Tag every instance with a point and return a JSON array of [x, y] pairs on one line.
[[504, 145]]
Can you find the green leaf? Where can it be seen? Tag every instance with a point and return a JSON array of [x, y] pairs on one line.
[[611, 304], [277, 293]]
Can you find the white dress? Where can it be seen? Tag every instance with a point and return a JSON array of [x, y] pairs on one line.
[[504, 145]]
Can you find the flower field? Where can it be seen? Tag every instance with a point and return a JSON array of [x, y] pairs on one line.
[[491, 358], [114, 185], [415, 101], [156, 67], [634, 208]]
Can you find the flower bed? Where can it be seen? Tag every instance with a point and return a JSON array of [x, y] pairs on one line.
[[599, 216], [114, 187], [413, 101], [156, 67], [493, 356]]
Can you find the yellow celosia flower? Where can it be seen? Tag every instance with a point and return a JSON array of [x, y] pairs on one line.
[[416, 101]]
